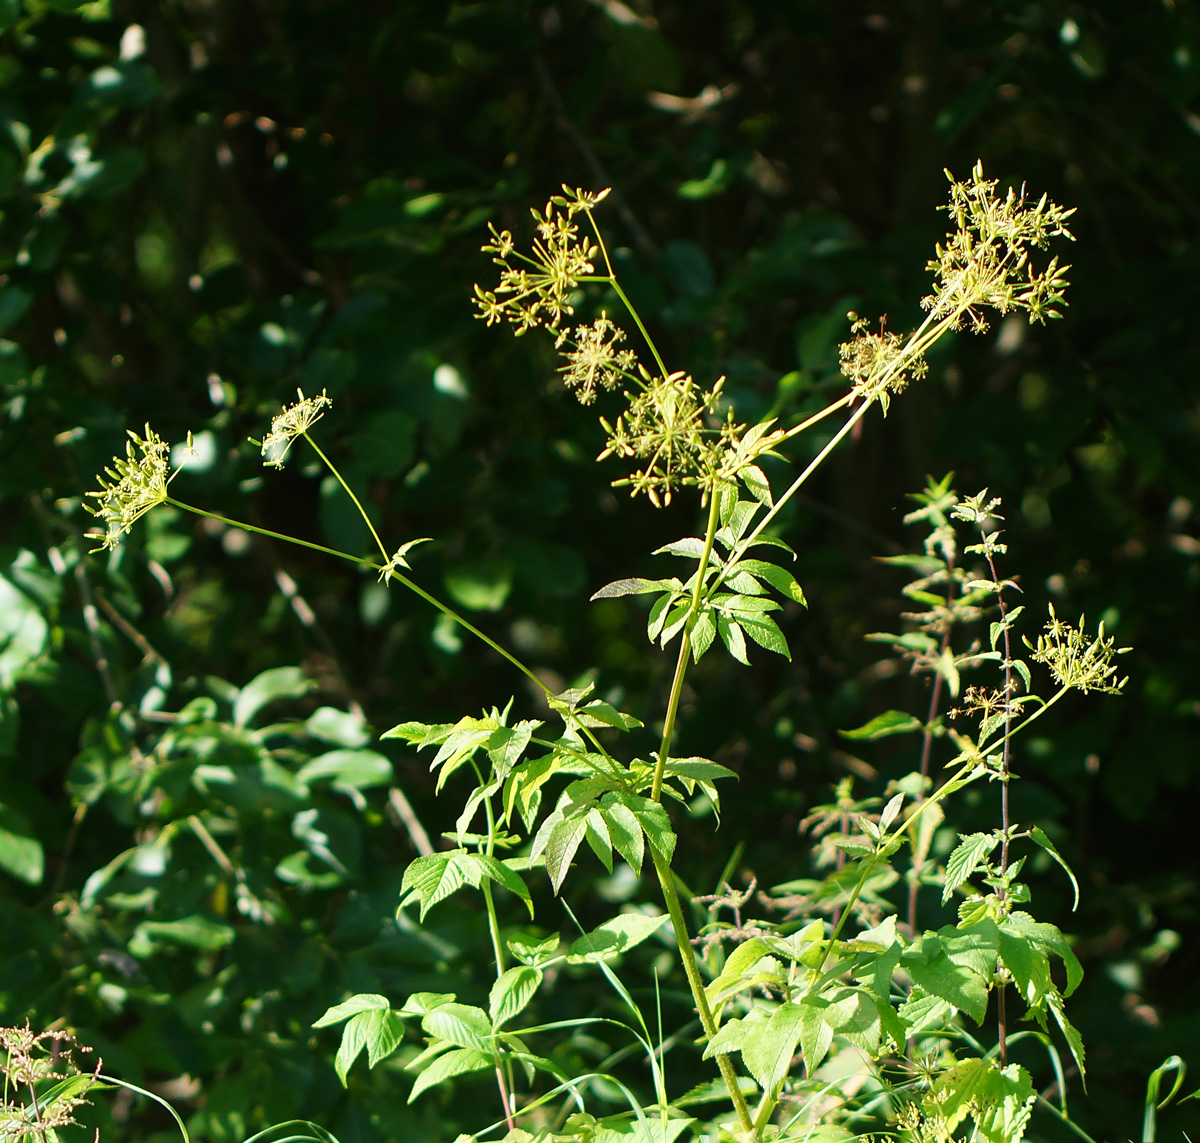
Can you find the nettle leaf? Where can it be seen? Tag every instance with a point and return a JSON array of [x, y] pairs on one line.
[[935, 973], [1039, 836], [971, 852], [1030, 967], [511, 992], [1069, 1031], [620, 587], [1051, 941], [975, 946], [921, 1011], [999, 1102], [883, 725], [768, 1049], [616, 935], [453, 1063], [854, 1015]]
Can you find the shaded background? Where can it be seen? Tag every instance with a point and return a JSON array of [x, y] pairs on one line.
[[208, 203]]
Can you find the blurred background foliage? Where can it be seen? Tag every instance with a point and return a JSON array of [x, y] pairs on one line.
[[207, 203]]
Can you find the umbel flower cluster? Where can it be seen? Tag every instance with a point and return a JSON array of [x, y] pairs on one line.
[[133, 485], [672, 425], [983, 263], [683, 433]]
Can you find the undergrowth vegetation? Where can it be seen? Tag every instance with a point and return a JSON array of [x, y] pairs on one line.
[[894, 995]]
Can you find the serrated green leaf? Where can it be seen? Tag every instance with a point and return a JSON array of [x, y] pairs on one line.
[[625, 831], [1050, 940], [511, 992], [704, 631], [501, 871], [768, 1049], [816, 1036], [598, 838], [732, 1034], [658, 615], [431, 879], [779, 578], [921, 1011], [655, 823], [620, 587], [463, 1025], [974, 946], [698, 768], [882, 725], [354, 1039], [599, 713], [675, 621], [734, 640], [934, 972], [1069, 1031], [757, 484], [616, 935], [564, 839], [384, 1033], [457, 1062], [363, 1002], [690, 547], [973, 849], [766, 633]]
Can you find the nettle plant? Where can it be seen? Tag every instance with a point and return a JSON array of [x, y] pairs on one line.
[[834, 1016]]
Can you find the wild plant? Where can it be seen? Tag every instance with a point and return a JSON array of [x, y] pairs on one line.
[[838, 1013]]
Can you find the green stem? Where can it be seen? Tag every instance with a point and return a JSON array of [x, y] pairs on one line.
[[611, 279], [365, 563], [349, 492], [666, 881], [746, 542], [685, 647]]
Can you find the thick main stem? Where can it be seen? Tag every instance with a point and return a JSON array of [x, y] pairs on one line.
[[662, 866], [1001, 992], [691, 969]]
